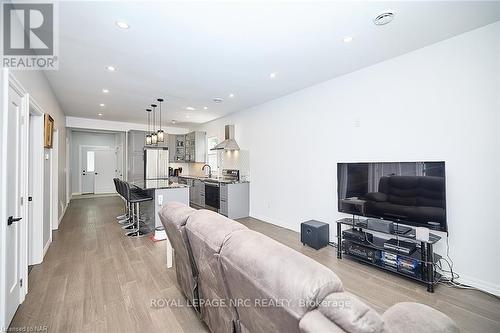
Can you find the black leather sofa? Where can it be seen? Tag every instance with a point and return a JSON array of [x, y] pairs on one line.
[[419, 199]]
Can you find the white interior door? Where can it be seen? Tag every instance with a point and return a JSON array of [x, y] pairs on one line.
[[13, 198], [105, 171], [87, 169]]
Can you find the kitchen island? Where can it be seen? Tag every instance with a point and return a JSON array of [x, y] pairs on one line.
[[162, 191]]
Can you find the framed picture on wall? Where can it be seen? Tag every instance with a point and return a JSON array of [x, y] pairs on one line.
[[49, 131]]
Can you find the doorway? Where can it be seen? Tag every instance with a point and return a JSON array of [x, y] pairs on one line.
[[54, 181], [99, 167], [14, 153], [35, 184]]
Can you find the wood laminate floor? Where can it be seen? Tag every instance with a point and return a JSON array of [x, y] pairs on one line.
[[94, 279]]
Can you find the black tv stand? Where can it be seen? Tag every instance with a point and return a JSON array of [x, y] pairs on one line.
[[424, 254]]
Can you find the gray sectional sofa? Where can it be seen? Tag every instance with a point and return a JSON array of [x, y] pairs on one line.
[[242, 281]]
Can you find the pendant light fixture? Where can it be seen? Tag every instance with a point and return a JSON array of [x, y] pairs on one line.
[[148, 135], [161, 134], [154, 136]]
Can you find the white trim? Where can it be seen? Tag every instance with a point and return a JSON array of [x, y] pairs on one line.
[[4, 91], [8, 80], [54, 182], [68, 167], [24, 151], [46, 247], [480, 284], [37, 169], [63, 213]]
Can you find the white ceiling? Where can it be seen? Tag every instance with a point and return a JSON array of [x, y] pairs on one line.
[[191, 52]]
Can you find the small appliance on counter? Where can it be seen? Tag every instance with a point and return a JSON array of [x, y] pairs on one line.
[[174, 172]]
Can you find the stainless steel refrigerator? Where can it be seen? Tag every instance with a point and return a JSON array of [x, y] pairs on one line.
[[156, 163]]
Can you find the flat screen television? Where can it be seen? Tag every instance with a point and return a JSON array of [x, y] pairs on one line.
[[411, 193]]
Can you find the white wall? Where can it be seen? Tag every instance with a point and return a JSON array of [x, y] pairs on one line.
[[39, 88], [436, 103]]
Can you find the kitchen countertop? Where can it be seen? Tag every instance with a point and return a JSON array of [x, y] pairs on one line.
[[154, 184], [213, 179]]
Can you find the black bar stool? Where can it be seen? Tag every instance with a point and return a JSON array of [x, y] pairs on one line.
[[122, 218], [128, 223], [135, 197]]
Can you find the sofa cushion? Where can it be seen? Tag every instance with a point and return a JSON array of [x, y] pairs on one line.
[[417, 318], [348, 312], [174, 216], [259, 269], [206, 231]]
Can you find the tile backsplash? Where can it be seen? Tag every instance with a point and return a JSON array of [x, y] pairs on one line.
[[237, 159]]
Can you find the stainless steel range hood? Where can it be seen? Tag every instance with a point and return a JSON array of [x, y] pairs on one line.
[[229, 143]]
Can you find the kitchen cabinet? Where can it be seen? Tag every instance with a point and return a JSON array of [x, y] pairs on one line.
[[180, 149], [189, 148], [196, 147], [190, 184], [235, 200], [171, 147], [135, 149], [199, 193]]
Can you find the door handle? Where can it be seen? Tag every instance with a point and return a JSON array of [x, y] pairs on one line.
[[11, 219]]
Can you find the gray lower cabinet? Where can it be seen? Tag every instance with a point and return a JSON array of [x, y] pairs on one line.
[[199, 193], [190, 183], [235, 200]]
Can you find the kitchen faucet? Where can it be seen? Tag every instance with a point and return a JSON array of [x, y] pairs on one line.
[[209, 170]]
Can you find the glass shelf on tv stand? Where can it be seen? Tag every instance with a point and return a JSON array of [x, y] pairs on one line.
[[425, 250], [409, 236]]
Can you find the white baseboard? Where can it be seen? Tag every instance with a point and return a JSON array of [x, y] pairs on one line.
[[480, 284], [274, 221], [46, 247], [62, 215]]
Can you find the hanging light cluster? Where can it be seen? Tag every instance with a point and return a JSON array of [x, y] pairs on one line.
[[154, 136]]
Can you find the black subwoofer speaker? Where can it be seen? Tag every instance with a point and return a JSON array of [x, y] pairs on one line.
[[315, 234]]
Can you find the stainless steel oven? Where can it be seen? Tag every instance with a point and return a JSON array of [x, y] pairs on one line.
[[212, 195]]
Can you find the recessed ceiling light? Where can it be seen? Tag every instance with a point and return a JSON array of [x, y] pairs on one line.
[[102, 105], [173, 122], [111, 68], [190, 108], [99, 114], [105, 91], [231, 95], [272, 75], [218, 100], [384, 18], [347, 39], [122, 24], [205, 108]]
